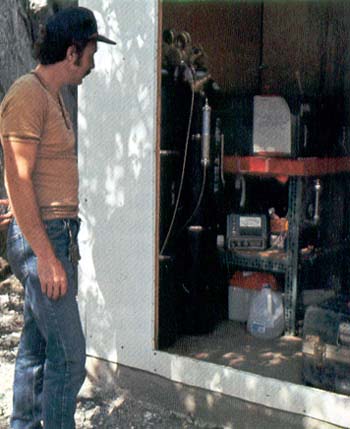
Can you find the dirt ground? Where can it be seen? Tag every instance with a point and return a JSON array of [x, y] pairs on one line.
[[117, 410]]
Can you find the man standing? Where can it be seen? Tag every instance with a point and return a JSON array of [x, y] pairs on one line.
[[42, 183]]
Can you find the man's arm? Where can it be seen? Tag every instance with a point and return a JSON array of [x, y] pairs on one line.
[[19, 164]]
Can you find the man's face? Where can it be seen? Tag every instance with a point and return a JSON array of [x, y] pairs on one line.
[[84, 63]]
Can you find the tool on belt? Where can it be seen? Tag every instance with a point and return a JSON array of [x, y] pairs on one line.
[[73, 248]]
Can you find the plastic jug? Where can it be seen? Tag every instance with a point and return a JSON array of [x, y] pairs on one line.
[[266, 314]]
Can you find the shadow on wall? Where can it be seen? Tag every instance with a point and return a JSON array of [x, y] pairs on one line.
[[116, 146]]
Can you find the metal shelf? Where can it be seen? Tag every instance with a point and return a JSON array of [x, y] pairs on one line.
[[315, 256], [279, 166], [288, 262], [275, 261]]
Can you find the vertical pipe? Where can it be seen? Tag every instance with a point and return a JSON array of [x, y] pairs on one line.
[[261, 53]]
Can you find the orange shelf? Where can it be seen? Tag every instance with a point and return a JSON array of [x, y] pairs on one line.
[[274, 166]]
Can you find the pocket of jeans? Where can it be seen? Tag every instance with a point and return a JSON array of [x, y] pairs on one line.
[[55, 229], [13, 232], [13, 242], [17, 253]]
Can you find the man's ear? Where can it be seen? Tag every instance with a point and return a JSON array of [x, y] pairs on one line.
[[71, 54]]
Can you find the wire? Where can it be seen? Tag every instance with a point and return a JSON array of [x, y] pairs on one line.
[[182, 174], [199, 199], [222, 153]]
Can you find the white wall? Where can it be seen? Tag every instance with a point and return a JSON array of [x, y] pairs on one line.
[[117, 142], [117, 192]]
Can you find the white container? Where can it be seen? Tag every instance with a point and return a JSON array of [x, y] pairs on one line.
[[266, 314], [239, 300]]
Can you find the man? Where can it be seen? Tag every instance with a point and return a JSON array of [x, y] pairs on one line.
[[42, 184]]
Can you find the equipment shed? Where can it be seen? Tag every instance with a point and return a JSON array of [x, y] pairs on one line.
[[121, 286]]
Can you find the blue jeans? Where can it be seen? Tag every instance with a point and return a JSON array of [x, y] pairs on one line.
[[50, 364]]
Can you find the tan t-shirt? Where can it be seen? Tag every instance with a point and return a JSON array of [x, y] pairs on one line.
[[30, 114]]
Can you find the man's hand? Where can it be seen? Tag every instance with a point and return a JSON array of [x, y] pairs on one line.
[[53, 278], [5, 215]]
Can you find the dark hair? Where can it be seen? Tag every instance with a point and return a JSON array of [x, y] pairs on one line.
[[52, 48]]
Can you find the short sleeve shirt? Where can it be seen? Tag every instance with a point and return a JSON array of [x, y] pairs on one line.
[[30, 114]]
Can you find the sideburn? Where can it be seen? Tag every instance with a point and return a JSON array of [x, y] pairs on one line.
[[77, 62]]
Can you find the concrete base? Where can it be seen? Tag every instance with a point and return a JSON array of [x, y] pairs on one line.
[[204, 406], [231, 345]]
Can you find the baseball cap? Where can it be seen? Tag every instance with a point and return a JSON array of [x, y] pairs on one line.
[[77, 23]]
